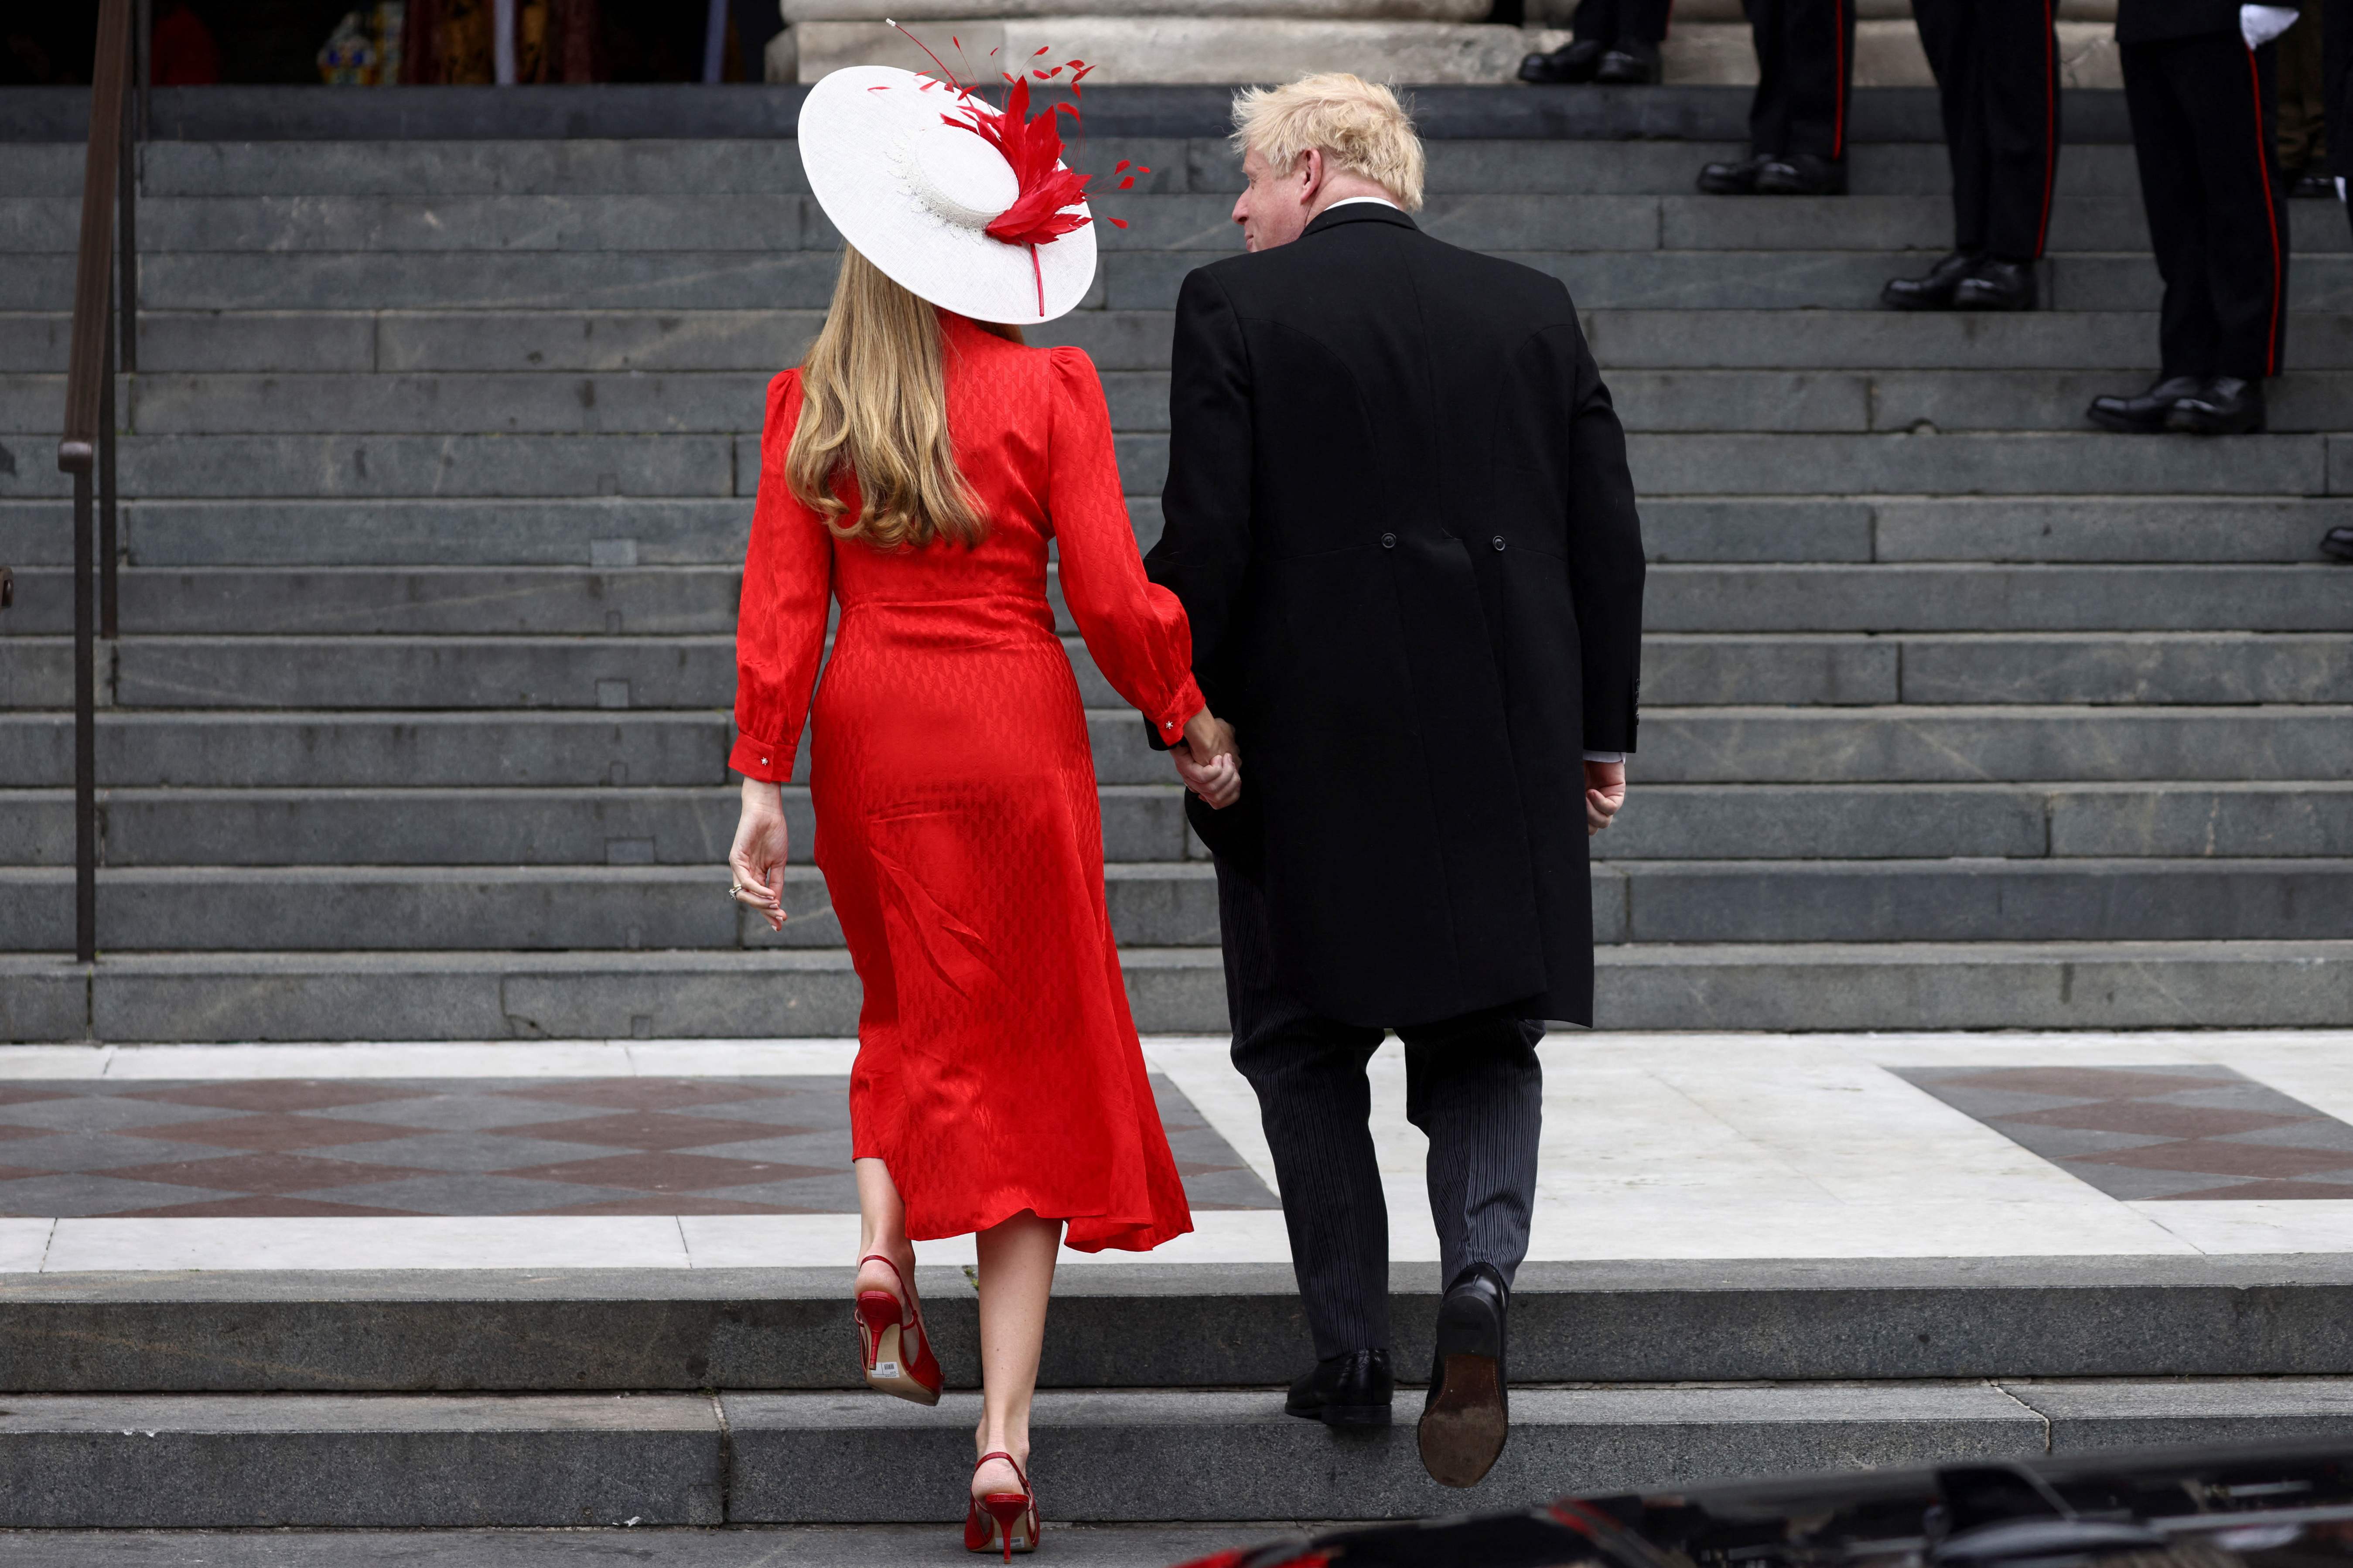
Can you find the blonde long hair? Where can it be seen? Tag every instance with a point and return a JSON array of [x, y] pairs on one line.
[[874, 405]]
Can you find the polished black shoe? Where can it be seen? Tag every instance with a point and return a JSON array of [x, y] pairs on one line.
[[1351, 1390], [1565, 66], [2337, 544], [2224, 406], [1467, 1415], [2311, 185], [1933, 290], [1629, 65], [2144, 413], [1733, 179], [1801, 174], [1997, 285]]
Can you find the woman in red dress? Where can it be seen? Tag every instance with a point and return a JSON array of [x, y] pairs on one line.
[[915, 469]]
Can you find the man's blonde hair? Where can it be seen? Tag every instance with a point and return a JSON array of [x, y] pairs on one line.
[[1359, 126]]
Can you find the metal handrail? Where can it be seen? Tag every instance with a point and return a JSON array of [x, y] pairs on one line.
[[86, 448]]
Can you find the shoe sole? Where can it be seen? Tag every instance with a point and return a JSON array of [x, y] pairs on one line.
[[1463, 1429], [1343, 1415]]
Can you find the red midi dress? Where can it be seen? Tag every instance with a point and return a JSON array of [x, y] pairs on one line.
[[957, 823]]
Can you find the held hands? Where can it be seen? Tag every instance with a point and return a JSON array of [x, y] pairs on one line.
[[1604, 791], [1207, 761], [758, 858]]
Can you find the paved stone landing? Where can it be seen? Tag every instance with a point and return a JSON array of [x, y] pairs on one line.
[[289, 1148], [2184, 1133]]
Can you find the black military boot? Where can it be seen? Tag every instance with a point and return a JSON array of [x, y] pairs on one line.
[[1801, 174], [2226, 405], [1997, 285], [1350, 1390], [1934, 290], [1565, 66], [1733, 179], [1629, 65], [2145, 414]]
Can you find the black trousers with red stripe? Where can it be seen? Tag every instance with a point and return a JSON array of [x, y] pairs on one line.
[[1804, 69], [1621, 21], [2202, 131], [1997, 65]]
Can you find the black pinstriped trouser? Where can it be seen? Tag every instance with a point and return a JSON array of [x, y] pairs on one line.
[[1473, 1086]]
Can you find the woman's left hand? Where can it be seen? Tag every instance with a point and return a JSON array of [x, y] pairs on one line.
[[757, 859]]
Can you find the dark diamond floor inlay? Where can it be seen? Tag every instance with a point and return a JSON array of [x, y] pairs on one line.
[[288, 1148], [2198, 1132]]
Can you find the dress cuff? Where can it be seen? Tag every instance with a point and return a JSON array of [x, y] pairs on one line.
[[1169, 722], [770, 761], [1605, 756]]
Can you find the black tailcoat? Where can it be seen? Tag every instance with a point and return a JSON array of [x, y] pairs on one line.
[[1398, 515]]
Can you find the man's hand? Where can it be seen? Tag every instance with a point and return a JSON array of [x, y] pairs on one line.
[[1604, 791], [1208, 761]]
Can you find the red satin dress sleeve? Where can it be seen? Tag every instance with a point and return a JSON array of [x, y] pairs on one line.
[[780, 619], [957, 821]]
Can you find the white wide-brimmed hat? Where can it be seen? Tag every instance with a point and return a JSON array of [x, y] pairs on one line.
[[917, 194]]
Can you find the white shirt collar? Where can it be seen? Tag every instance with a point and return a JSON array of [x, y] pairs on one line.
[[1351, 201]]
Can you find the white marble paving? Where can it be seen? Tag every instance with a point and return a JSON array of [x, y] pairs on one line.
[[1655, 1146]]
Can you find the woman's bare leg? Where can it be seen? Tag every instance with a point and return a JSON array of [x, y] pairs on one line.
[[1017, 1276], [882, 1229]]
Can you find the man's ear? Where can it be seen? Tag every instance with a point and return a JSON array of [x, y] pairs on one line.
[[1310, 172]]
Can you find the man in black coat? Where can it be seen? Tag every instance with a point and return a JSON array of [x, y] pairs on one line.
[[1400, 518]]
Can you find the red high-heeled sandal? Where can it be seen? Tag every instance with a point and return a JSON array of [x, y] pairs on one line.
[[1005, 1521], [893, 1346]]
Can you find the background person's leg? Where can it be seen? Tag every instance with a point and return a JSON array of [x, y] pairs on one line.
[[1768, 110], [1818, 52], [1475, 1088], [2227, 90], [1948, 37], [2165, 146], [2016, 134], [1316, 1107]]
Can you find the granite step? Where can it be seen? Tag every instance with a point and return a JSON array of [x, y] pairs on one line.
[[1128, 1325], [692, 825], [525, 166], [1731, 463], [673, 673], [621, 531], [1970, 744], [230, 1460], [788, 993], [634, 908], [557, 339], [667, 826]]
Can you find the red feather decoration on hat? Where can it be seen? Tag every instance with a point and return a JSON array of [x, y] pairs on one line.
[[1033, 147]]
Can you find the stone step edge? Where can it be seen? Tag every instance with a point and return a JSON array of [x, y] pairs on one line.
[[196, 1460], [1795, 987], [1194, 1325]]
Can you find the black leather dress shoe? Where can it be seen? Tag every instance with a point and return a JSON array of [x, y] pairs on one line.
[[2144, 413], [1997, 285], [2337, 544], [2224, 406], [1801, 174], [1934, 289], [1351, 1390], [2311, 184], [1467, 1415], [1733, 179], [1565, 66], [1629, 65]]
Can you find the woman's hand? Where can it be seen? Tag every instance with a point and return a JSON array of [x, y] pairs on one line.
[[1208, 761], [758, 858], [1604, 791]]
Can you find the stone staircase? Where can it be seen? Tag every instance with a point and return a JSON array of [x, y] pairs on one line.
[[360, 1399], [440, 462]]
